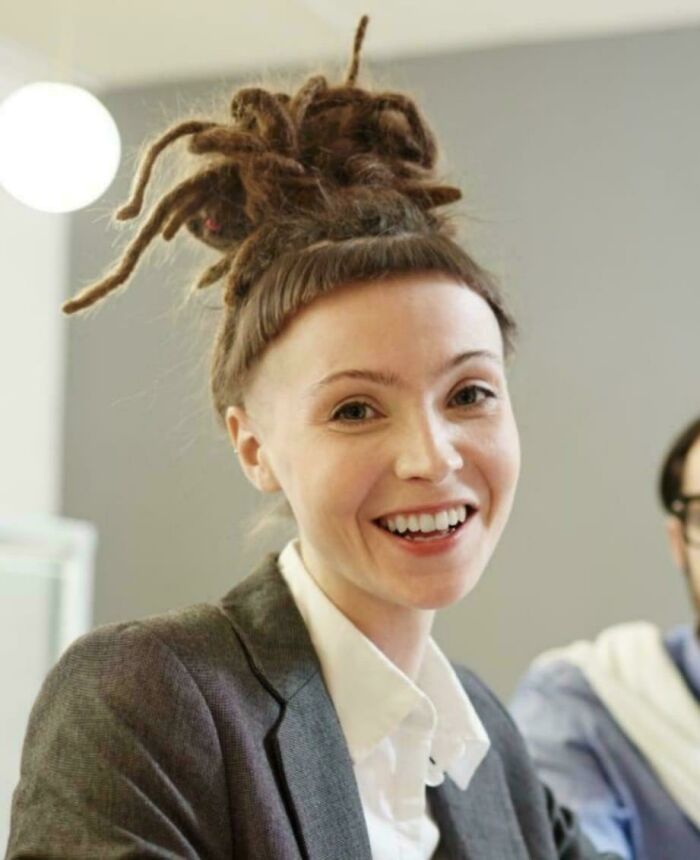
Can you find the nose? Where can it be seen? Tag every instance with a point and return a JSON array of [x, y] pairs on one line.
[[425, 450]]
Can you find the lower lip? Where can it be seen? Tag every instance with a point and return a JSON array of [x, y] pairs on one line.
[[429, 547]]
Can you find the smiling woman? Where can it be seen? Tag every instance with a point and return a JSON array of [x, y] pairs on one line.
[[359, 372], [410, 424]]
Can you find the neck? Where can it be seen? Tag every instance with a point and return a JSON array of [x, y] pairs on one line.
[[400, 632]]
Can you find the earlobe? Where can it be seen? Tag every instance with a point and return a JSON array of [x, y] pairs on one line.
[[266, 480]]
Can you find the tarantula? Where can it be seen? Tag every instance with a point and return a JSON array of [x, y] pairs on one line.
[[280, 155]]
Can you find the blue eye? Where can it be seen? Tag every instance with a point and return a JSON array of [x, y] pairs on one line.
[[477, 394]]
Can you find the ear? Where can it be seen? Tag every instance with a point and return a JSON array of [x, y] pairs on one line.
[[674, 532], [251, 450]]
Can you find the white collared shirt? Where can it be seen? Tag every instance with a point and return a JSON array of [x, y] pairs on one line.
[[402, 736]]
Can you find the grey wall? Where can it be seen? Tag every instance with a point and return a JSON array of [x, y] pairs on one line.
[[580, 162]]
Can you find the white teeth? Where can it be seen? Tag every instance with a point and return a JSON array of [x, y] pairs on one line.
[[424, 523], [442, 521]]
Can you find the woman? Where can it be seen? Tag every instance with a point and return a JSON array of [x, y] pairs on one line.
[[359, 371]]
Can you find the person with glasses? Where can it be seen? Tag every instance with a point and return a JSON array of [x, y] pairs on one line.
[[614, 725]]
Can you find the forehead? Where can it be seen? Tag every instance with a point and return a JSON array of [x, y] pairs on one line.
[[410, 320], [691, 472]]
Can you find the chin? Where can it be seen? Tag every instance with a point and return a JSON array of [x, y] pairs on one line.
[[444, 594]]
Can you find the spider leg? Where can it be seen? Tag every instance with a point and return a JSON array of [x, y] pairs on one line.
[[185, 211], [338, 98], [215, 273], [423, 136], [132, 208], [257, 108], [432, 195], [275, 164], [301, 101], [225, 141], [142, 240], [351, 76]]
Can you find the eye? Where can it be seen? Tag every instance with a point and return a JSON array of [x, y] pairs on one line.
[[351, 412], [475, 394], [353, 406]]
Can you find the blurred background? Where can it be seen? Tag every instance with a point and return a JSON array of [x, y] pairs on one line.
[[574, 131]]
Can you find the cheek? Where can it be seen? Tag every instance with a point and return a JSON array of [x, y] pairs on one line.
[[501, 461], [338, 482]]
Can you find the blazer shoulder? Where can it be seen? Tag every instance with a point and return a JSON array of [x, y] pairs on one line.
[[192, 641], [122, 748], [196, 633]]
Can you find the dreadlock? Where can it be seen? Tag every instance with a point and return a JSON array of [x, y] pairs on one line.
[[300, 193]]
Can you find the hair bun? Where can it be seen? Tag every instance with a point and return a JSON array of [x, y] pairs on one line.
[[284, 156]]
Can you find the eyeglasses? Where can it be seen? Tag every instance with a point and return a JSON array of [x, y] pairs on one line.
[[687, 509]]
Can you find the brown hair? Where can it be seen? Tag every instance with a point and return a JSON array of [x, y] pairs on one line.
[[302, 194]]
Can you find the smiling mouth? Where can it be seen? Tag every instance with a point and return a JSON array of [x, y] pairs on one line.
[[424, 537]]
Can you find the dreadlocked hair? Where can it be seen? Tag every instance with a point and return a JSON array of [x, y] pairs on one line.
[[301, 193]]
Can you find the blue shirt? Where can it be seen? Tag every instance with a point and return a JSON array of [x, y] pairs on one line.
[[592, 767]]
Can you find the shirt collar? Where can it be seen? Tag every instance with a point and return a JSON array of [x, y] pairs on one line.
[[460, 741], [355, 670]]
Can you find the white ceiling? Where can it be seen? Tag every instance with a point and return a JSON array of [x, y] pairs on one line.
[[118, 44]]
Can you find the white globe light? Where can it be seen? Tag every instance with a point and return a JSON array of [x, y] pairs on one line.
[[59, 146]]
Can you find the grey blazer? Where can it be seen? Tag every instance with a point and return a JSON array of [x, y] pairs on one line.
[[208, 733]]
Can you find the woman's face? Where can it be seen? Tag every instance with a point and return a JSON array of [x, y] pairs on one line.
[[379, 398]]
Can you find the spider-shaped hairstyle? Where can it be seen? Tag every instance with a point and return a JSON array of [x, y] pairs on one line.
[[280, 161]]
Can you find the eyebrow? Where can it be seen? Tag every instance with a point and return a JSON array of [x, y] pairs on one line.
[[381, 377]]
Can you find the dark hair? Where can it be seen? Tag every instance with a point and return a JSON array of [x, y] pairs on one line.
[[671, 477]]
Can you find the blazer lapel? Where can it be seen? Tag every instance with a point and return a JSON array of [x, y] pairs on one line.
[[480, 822], [320, 777], [316, 770]]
